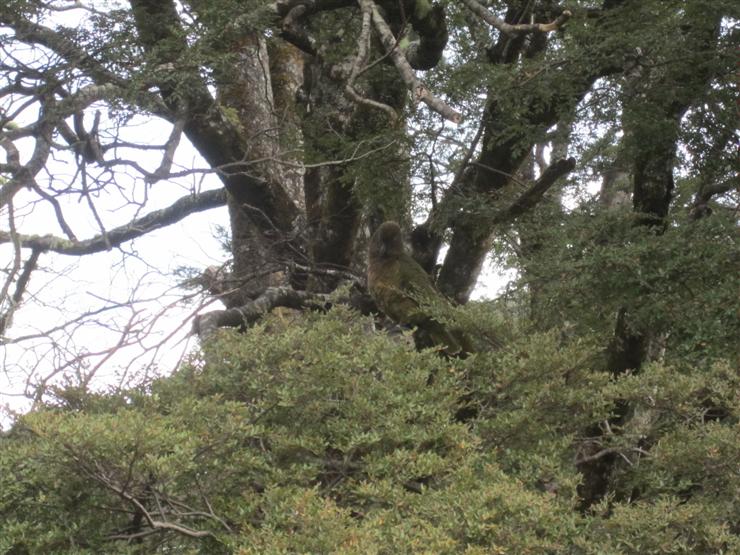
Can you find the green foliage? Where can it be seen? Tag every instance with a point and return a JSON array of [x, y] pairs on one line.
[[682, 282], [314, 434]]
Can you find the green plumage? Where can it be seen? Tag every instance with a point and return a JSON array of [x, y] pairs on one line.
[[404, 291]]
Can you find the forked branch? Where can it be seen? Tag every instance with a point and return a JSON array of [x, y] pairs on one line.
[[243, 316]]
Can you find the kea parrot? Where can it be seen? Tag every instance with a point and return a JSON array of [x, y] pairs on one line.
[[404, 292]]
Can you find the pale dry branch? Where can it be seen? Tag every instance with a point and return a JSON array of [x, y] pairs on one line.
[[95, 470], [419, 92], [73, 5], [363, 44], [518, 29], [151, 522], [583, 459]]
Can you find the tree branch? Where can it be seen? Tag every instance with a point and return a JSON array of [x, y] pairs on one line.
[[700, 207], [217, 139], [24, 175], [154, 524], [35, 34], [20, 289], [169, 152], [428, 21], [293, 11], [283, 8], [418, 91], [503, 150], [518, 29], [82, 98], [534, 194], [115, 237], [243, 316], [363, 43]]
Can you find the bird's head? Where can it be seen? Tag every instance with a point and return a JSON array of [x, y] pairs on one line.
[[387, 241]]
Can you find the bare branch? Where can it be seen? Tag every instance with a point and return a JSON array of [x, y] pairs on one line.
[[243, 316], [514, 30], [700, 207], [169, 152], [57, 211], [35, 34], [115, 237], [363, 43], [23, 175], [418, 91], [82, 98], [16, 262], [612, 451], [20, 289], [154, 524]]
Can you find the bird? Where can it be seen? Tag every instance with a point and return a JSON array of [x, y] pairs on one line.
[[404, 292]]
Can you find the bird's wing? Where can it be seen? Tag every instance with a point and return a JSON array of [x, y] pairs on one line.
[[415, 280], [417, 288]]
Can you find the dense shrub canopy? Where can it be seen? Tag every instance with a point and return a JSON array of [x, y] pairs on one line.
[[312, 434]]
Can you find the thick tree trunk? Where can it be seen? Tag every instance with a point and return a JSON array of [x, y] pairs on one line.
[[332, 121], [238, 136], [247, 92]]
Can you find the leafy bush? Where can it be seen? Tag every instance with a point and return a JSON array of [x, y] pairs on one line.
[[315, 434]]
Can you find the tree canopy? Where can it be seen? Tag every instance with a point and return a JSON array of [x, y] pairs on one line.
[[588, 147]]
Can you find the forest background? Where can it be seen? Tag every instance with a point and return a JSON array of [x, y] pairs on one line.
[[588, 148]]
